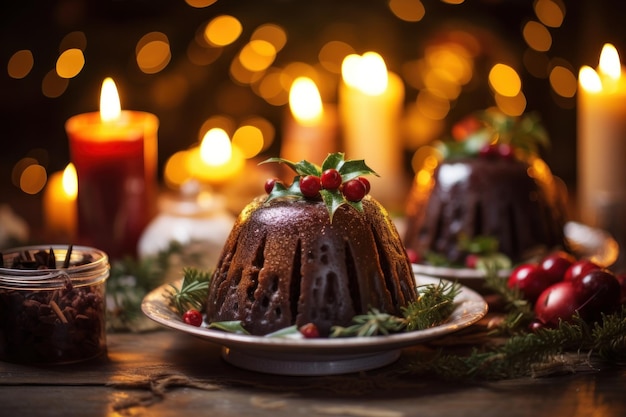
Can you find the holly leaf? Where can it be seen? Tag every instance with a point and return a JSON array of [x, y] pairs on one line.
[[333, 200], [302, 167], [354, 169], [279, 190], [333, 160]]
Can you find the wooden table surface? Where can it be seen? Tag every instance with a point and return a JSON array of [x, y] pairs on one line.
[[165, 373]]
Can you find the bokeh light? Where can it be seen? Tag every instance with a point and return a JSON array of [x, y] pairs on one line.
[[20, 64], [504, 80], [70, 63], [153, 52], [223, 30], [407, 10]]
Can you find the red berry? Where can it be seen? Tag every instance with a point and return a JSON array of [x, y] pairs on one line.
[[556, 264], [557, 302], [506, 151], [366, 183], [579, 268], [310, 186], [331, 179], [269, 184], [597, 291], [354, 190], [193, 317], [471, 260], [309, 331], [465, 127], [489, 150], [530, 279], [413, 256]]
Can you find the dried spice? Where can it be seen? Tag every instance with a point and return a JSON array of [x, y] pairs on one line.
[[57, 316]]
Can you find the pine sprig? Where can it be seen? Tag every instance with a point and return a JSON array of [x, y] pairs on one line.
[[434, 305], [193, 291], [519, 310], [519, 355]]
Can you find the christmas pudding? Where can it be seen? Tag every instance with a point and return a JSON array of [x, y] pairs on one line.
[[319, 251], [489, 182]]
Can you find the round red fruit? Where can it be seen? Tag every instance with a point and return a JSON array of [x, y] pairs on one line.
[[413, 256], [310, 186], [530, 279], [506, 151], [309, 331], [489, 150], [578, 268], [471, 260], [269, 184], [556, 264], [366, 183], [557, 302], [597, 291], [193, 317], [354, 190], [331, 179]]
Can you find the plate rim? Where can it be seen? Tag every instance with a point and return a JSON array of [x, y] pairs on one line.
[[470, 309]]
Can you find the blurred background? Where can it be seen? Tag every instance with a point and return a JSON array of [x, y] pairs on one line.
[[198, 64]]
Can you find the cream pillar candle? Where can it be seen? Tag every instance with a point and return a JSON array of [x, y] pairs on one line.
[[310, 128], [602, 144], [370, 108]]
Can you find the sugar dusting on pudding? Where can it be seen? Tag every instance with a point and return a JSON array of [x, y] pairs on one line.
[[321, 259]]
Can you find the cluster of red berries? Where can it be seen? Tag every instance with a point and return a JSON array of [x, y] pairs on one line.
[[310, 185], [497, 150], [560, 286]]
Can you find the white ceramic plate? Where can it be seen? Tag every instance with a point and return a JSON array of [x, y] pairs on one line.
[[585, 241], [316, 356]]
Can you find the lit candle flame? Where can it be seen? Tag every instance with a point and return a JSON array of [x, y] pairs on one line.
[[70, 181], [305, 101], [589, 79], [609, 62], [216, 149], [367, 73], [110, 108]]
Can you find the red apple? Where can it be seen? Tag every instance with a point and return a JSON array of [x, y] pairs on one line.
[[555, 265], [597, 292], [530, 279], [557, 302], [580, 267]]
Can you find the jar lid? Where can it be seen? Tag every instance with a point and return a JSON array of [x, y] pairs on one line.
[[22, 267]]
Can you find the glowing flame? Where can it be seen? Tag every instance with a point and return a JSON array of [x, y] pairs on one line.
[[589, 79], [216, 149], [70, 181], [305, 101], [609, 62], [110, 108], [367, 73]]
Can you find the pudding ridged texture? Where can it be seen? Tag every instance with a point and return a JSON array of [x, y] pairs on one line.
[[519, 203], [285, 263]]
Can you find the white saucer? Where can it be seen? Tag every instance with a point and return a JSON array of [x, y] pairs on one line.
[[585, 241], [321, 356]]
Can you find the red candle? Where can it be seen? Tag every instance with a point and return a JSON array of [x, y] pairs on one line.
[[115, 155]]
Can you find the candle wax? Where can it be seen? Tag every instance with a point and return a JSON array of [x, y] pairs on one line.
[[115, 164]]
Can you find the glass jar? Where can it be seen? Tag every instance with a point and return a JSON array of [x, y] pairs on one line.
[[52, 304]]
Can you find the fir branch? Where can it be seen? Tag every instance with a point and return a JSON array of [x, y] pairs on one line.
[[519, 311], [433, 306], [518, 356], [193, 291], [371, 324]]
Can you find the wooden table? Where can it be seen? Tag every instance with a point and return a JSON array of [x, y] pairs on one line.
[[164, 373]]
